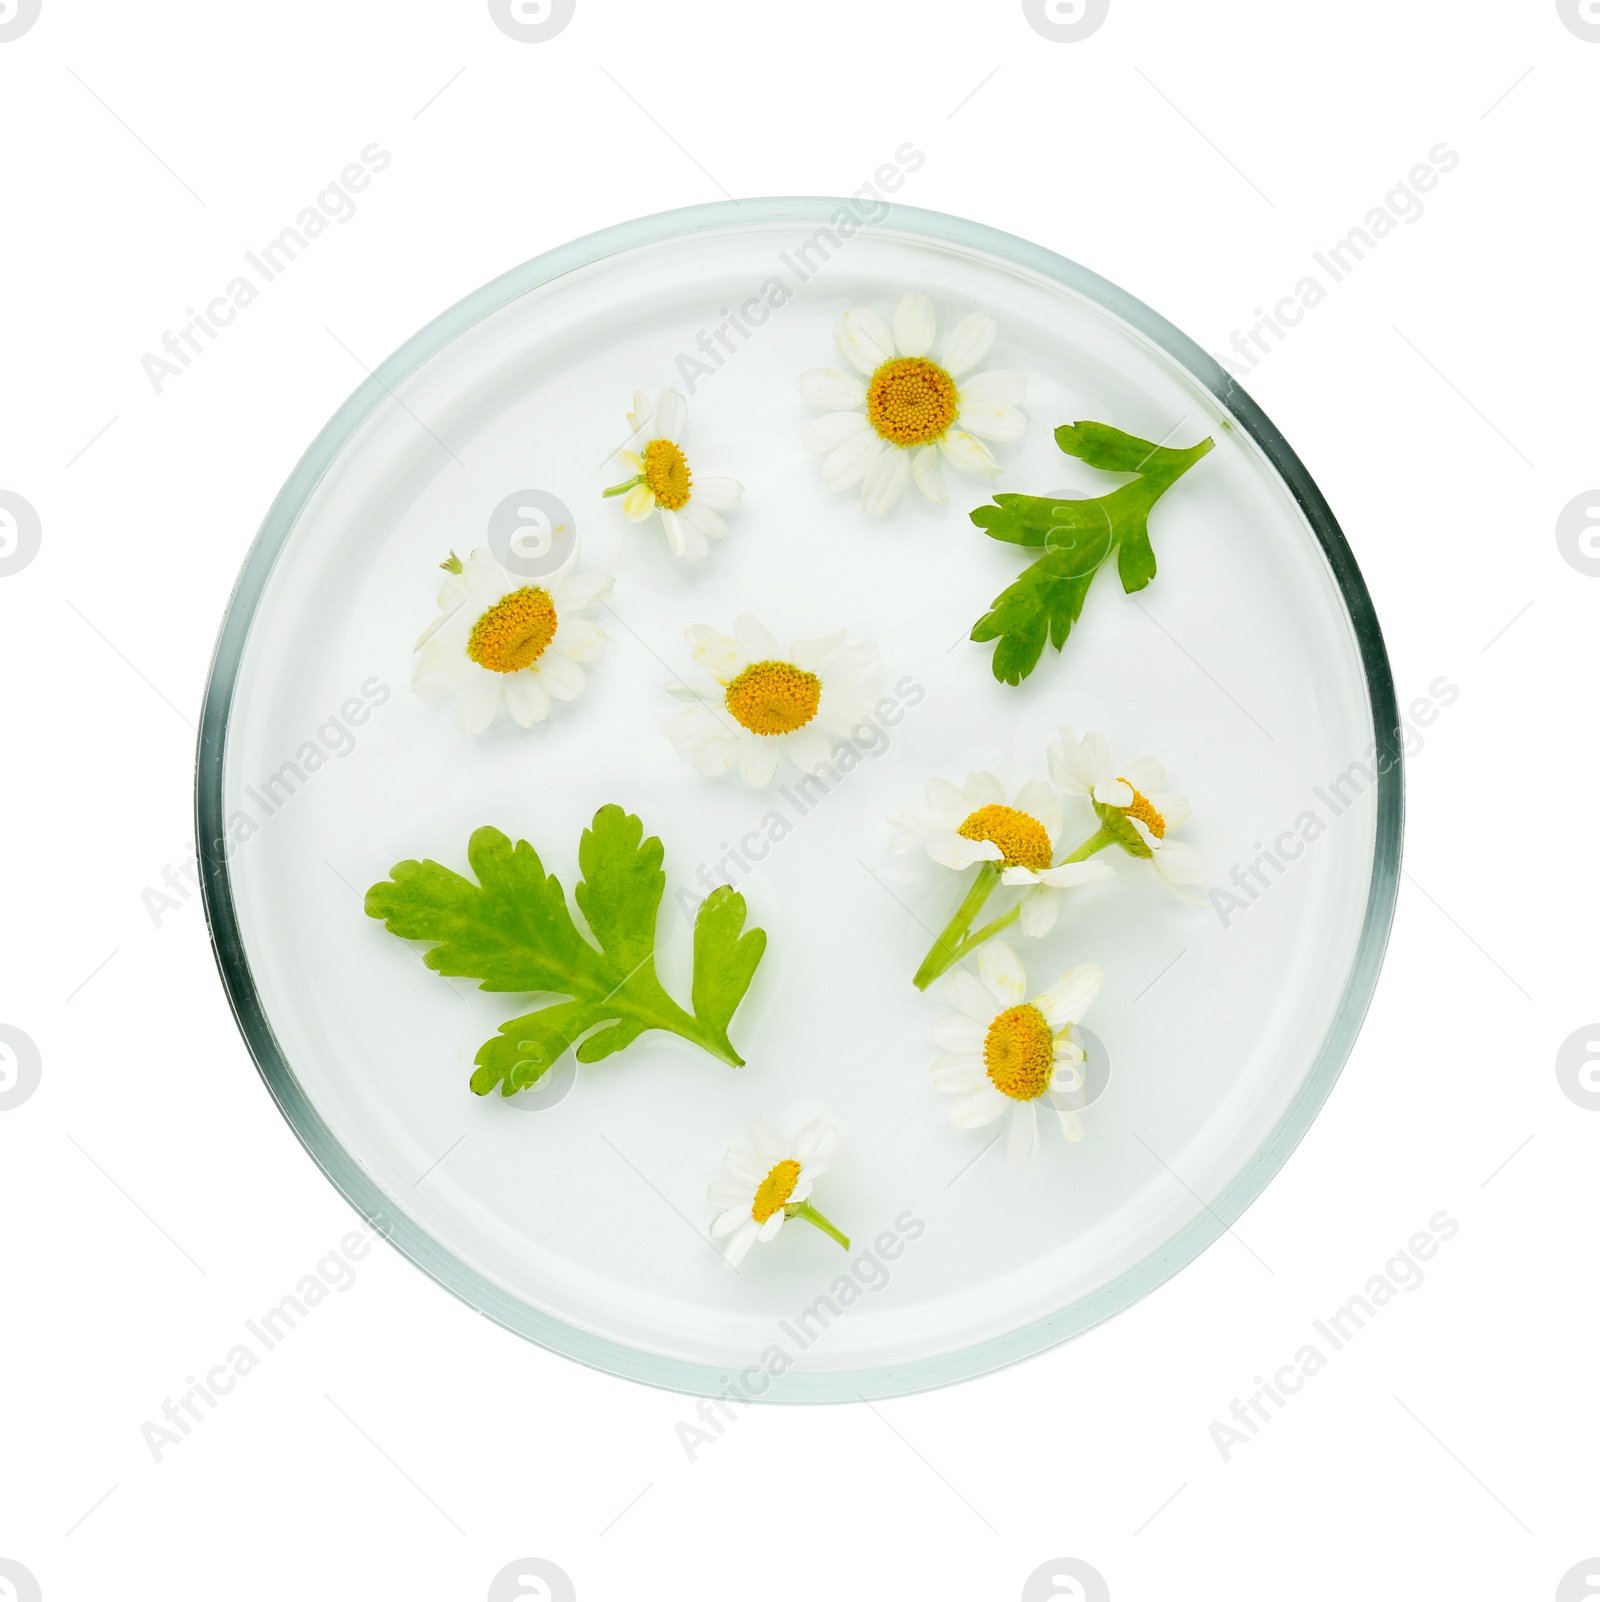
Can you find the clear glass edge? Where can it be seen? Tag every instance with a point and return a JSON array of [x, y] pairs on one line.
[[583, 1346]]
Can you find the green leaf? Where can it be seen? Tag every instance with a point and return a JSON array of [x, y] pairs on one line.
[[512, 930], [725, 959], [1076, 538]]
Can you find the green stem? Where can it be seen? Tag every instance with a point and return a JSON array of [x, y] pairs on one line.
[[622, 489], [944, 949], [956, 944], [806, 1211]]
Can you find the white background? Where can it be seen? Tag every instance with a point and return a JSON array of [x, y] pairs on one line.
[[397, 1443]]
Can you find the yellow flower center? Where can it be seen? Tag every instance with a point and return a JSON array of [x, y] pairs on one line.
[[775, 1190], [911, 400], [1141, 809], [774, 697], [1024, 840], [1019, 1053], [666, 471], [514, 632]]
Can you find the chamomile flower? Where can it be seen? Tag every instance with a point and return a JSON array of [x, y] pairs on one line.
[[691, 512], [1002, 1051], [500, 641], [958, 827], [1131, 804], [905, 412], [762, 702], [770, 1180]]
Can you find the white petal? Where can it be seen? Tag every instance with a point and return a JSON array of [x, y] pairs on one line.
[[755, 640], [672, 415], [958, 1074], [580, 639], [850, 462], [486, 581], [1037, 915], [745, 1165], [707, 521], [558, 676], [1068, 999], [886, 482], [641, 416], [718, 654], [958, 1034], [758, 761], [1181, 864], [1023, 1142], [839, 392], [969, 342], [1000, 968], [577, 592], [992, 420], [929, 476], [1114, 793], [979, 1109], [720, 494], [769, 1230], [983, 789], [744, 1238], [1174, 808], [1146, 774], [638, 503], [815, 1143], [865, 338], [1071, 1123], [831, 431], [945, 798], [684, 539], [827, 386], [968, 454], [766, 1143], [972, 1000], [1006, 385], [1038, 800], [1071, 764], [808, 748], [526, 699], [951, 850], [914, 325]]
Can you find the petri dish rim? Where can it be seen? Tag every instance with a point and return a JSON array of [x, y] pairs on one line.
[[429, 1254]]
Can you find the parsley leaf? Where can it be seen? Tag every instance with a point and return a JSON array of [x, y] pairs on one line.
[[1077, 536], [512, 931]]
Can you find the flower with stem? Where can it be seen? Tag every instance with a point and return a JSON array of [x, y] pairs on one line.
[[906, 413], [691, 514], [1134, 810], [769, 1181], [1012, 844], [1002, 1050]]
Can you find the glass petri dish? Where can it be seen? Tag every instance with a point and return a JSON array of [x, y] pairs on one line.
[[1253, 668]]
